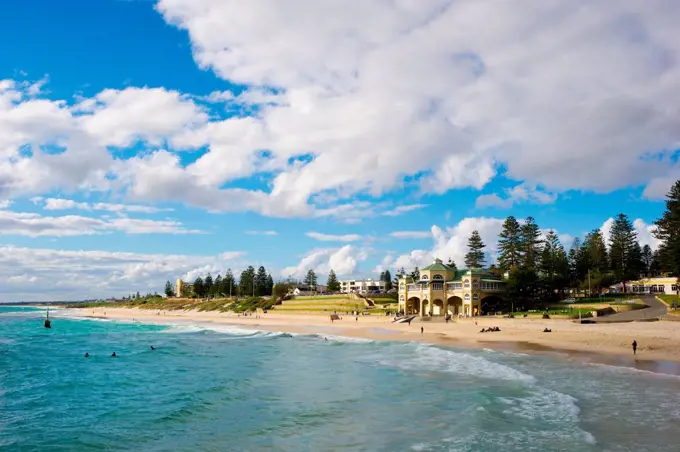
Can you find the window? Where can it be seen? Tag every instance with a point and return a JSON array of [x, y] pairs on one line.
[[438, 286], [437, 277], [483, 285], [467, 297], [475, 283], [475, 297], [674, 287], [466, 283], [423, 277]]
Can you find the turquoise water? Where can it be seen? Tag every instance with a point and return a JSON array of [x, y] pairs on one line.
[[221, 388]]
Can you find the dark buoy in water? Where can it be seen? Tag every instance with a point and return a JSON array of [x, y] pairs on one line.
[[48, 323]]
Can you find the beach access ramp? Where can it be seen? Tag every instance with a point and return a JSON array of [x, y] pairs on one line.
[[404, 319]]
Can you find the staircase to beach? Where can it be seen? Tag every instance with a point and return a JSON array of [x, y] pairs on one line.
[[367, 301]]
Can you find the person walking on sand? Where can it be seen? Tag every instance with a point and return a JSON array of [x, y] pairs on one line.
[[422, 330], [634, 347]]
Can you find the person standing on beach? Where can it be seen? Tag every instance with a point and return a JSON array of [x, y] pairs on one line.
[[422, 330], [634, 347]]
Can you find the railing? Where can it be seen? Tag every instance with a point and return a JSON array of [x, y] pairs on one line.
[[437, 286], [412, 287], [454, 286]]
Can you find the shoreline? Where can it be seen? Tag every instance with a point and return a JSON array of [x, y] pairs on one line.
[[607, 344]]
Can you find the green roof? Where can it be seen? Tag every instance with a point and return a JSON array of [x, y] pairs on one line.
[[437, 267]]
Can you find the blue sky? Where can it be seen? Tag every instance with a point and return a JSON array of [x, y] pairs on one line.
[[142, 141]]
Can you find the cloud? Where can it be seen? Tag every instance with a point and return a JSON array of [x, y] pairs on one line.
[[34, 274], [354, 102], [452, 243], [36, 225], [518, 194], [267, 233], [68, 204], [539, 90], [659, 187], [411, 234], [644, 233], [334, 238], [344, 261]]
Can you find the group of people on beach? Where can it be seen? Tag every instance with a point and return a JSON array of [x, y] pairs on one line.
[[113, 355], [491, 329]]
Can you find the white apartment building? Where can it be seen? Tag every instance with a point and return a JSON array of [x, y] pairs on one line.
[[361, 285]]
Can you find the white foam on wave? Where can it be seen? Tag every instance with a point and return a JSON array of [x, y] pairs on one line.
[[543, 404], [346, 339], [237, 332], [427, 357]]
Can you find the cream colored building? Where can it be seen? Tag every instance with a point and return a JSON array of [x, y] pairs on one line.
[[361, 285], [667, 285], [183, 289], [444, 290]]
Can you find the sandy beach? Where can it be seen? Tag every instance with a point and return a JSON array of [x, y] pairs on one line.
[[658, 349]]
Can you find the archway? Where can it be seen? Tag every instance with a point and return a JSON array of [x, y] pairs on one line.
[[425, 308], [455, 305], [412, 306], [437, 307], [493, 303]]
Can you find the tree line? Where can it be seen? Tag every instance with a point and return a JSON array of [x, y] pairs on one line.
[[252, 283], [539, 267]]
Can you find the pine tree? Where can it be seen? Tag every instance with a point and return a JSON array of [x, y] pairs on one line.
[[531, 243], [452, 264], [387, 278], [246, 284], [261, 282], [510, 244], [217, 287], [647, 259], [228, 283], [169, 292], [624, 250], [554, 264], [333, 283], [208, 286], [595, 250], [198, 287], [475, 256], [269, 288], [310, 280], [415, 274], [668, 231]]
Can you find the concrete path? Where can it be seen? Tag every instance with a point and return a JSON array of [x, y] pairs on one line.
[[655, 310]]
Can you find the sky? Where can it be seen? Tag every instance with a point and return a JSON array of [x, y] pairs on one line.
[[143, 141]]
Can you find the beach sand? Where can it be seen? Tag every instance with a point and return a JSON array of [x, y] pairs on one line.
[[658, 349]]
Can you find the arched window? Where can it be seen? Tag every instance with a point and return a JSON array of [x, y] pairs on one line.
[[423, 277], [466, 283], [484, 286], [437, 277], [475, 297], [467, 297], [475, 283]]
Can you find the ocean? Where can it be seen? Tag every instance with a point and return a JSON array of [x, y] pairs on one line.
[[220, 388]]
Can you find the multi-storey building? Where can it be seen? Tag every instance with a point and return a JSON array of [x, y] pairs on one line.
[[443, 290], [361, 285]]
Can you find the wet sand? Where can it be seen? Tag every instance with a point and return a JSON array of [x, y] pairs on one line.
[[608, 344]]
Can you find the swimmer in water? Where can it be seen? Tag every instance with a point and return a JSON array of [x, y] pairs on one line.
[[113, 355], [152, 348], [87, 355]]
